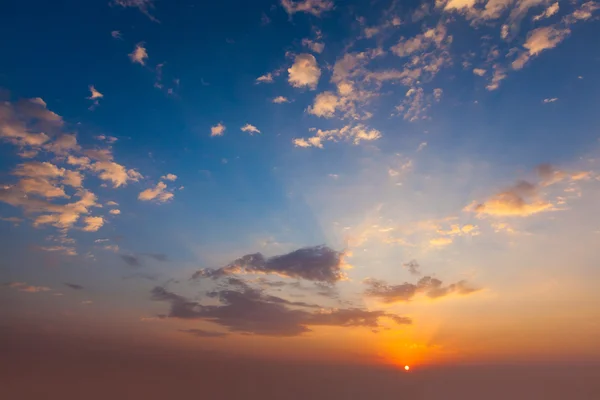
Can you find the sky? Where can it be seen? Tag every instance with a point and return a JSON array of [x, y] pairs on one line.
[[361, 183]]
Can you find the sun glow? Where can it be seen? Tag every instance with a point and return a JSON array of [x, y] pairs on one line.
[[406, 368]]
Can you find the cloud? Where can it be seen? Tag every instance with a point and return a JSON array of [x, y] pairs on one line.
[[217, 130], [204, 334], [95, 95], [355, 134], [550, 100], [250, 128], [23, 287], [318, 263], [69, 251], [538, 40], [280, 100], [498, 76], [169, 177], [314, 7], [131, 260], [139, 54], [479, 71], [520, 200], [251, 311], [115, 173], [548, 12], [324, 105], [143, 5], [115, 212], [116, 35], [267, 78], [158, 193], [413, 267], [93, 224], [74, 286], [304, 72], [428, 286], [315, 47]]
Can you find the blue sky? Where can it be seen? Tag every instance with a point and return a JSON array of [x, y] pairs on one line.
[[461, 134]]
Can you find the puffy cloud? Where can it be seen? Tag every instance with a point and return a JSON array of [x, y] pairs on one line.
[[479, 71], [324, 105], [548, 12], [158, 193], [250, 128], [520, 200], [405, 292], [92, 224], [170, 177], [304, 72], [139, 54], [217, 130], [280, 100], [267, 78], [115, 173], [314, 7], [143, 5], [319, 263], [315, 47], [28, 123], [459, 4], [251, 311], [583, 13], [356, 134]]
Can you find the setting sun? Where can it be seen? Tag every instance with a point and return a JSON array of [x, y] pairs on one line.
[[406, 368]]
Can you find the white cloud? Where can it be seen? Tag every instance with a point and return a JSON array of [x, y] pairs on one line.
[[550, 100], [304, 72], [315, 47], [217, 130], [280, 100], [169, 177], [157, 193], [139, 54], [267, 78], [314, 7], [250, 128]]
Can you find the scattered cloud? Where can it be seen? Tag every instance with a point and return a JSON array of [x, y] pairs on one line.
[[304, 72], [158, 193], [131, 260], [169, 177], [550, 100], [428, 286], [74, 286], [95, 95], [479, 71], [548, 12], [23, 287], [143, 5], [280, 100], [355, 134], [319, 263], [314, 7], [139, 54], [116, 35], [315, 47], [204, 334], [538, 40], [217, 130], [267, 78], [250, 128], [413, 267], [92, 224]]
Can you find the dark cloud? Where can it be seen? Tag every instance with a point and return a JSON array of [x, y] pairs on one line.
[[319, 264], [430, 287], [251, 311], [157, 257], [204, 334], [413, 267], [74, 286], [131, 260], [147, 276]]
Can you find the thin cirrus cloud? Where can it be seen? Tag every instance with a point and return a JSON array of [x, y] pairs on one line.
[[143, 5]]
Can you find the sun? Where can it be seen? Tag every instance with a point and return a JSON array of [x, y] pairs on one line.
[[406, 368]]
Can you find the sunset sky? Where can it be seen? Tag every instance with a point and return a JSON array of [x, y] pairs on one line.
[[370, 182]]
